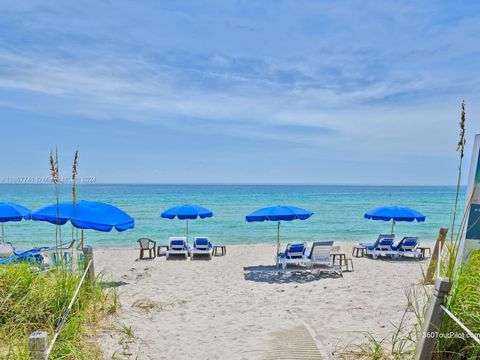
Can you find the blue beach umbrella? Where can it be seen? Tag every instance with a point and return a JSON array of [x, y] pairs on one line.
[[12, 212], [279, 213], [86, 215], [394, 213], [186, 212]]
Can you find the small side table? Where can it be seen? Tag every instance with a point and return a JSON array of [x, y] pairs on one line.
[[161, 246], [215, 251], [423, 250], [359, 251], [342, 261]]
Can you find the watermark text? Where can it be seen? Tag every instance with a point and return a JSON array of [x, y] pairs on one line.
[[45, 180], [448, 335]]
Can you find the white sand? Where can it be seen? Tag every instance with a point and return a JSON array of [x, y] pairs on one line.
[[209, 310]]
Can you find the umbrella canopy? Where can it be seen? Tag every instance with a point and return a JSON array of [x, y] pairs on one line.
[[279, 213], [186, 212], [86, 215], [394, 213], [12, 212]]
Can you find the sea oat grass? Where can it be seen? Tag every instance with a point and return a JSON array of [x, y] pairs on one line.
[[31, 301]]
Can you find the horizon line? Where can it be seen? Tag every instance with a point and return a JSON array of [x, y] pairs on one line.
[[241, 184]]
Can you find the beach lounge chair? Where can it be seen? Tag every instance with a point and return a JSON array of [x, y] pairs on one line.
[[380, 237], [201, 246], [178, 246], [320, 256], [408, 245], [32, 255], [293, 254], [382, 246], [61, 254], [147, 245], [45, 255]]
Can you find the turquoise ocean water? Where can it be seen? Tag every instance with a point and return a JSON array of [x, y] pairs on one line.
[[338, 212]]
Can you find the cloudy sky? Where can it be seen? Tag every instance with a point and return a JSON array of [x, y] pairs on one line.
[[327, 92]]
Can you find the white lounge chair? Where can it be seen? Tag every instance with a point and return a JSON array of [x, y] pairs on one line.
[[382, 246], [201, 246], [56, 255], [293, 254], [408, 246], [320, 256], [379, 238], [177, 246]]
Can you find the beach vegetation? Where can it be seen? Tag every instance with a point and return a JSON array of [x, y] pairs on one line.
[[463, 302], [74, 189], [114, 304], [55, 178], [449, 254], [33, 298], [461, 151], [36, 301]]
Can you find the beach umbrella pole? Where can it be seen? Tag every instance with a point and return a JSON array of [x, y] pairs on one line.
[[3, 232], [187, 231], [393, 225], [81, 241], [278, 243]]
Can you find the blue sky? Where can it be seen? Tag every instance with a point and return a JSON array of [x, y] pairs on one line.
[[351, 92]]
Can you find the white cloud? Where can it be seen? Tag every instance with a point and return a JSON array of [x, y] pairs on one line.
[[109, 87]]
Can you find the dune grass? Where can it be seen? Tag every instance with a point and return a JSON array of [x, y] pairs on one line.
[[31, 301], [464, 303]]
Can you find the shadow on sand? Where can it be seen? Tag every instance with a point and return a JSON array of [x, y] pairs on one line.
[[273, 275], [400, 259], [112, 284], [176, 258], [201, 258]]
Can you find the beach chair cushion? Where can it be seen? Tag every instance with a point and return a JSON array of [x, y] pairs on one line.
[[408, 243], [202, 243], [373, 245], [386, 245], [177, 244], [384, 242], [294, 251]]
